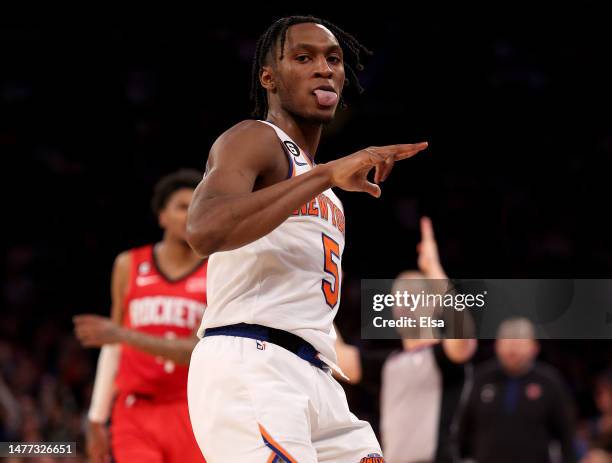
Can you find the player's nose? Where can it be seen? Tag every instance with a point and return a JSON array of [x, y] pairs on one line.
[[322, 68]]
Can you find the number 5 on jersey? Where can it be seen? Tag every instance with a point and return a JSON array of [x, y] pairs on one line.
[[330, 291]]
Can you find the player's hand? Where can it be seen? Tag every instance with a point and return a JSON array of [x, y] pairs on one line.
[[95, 331], [429, 260], [351, 172], [98, 448], [596, 456]]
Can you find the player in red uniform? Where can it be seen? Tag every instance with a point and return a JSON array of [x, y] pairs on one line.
[[158, 297]]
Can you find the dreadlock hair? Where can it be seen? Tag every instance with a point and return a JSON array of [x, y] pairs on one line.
[[171, 183], [349, 44]]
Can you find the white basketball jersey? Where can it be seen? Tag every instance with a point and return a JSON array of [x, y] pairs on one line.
[[290, 278]]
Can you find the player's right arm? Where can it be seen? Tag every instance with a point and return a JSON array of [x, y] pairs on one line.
[[242, 198], [98, 447]]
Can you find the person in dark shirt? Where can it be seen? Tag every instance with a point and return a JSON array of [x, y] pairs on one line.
[[596, 433], [517, 407]]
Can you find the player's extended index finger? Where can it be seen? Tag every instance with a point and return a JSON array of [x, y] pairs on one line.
[[398, 152], [427, 232], [408, 150]]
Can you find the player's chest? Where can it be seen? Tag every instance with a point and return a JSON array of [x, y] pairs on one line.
[[324, 212]]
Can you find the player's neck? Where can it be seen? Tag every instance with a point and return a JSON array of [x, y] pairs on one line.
[[176, 251], [306, 134]]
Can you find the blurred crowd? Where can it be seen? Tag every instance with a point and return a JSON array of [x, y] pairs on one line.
[[515, 177]]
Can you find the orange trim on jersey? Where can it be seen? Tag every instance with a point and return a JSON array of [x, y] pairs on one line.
[[272, 457], [293, 168], [280, 451]]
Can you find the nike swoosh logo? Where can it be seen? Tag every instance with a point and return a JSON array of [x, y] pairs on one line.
[[144, 281], [300, 163]]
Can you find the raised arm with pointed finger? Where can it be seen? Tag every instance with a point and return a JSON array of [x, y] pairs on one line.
[[457, 350], [429, 260], [245, 193]]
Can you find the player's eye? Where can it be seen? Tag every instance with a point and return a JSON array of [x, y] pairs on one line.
[[302, 58], [334, 59]]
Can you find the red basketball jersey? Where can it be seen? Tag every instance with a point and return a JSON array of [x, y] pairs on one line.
[[157, 305]]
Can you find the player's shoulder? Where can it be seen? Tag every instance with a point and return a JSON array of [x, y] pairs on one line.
[[125, 258], [246, 136]]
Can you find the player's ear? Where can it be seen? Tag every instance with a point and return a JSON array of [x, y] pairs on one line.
[[162, 219], [266, 78]]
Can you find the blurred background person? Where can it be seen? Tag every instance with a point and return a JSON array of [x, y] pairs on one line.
[[596, 433], [421, 384], [517, 408], [158, 298]]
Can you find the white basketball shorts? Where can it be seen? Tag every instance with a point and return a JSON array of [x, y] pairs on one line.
[[256, 402]]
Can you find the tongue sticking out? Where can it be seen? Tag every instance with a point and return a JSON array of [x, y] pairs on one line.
[[325, 97]]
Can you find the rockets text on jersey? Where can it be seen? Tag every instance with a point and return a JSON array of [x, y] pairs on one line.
[[159, 306]]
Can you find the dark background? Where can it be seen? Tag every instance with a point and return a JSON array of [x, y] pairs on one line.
[[515, 104]]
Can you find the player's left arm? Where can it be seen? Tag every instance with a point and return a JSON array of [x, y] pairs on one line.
[[98, 331], [349, 359]]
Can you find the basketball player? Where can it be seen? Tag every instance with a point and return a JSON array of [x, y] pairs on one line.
[[260, 387], [158, 297]]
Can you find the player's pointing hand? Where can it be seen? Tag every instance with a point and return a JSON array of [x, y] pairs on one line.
[[351, 172]]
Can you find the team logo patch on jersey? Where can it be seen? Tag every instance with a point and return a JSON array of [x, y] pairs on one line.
[[373, 458], [295, 151], [292, 147], [148, 280], [144, 268]]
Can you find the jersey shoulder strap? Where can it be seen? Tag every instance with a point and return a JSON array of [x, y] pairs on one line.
[[142, 260], [141, 264], [297, 156]]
